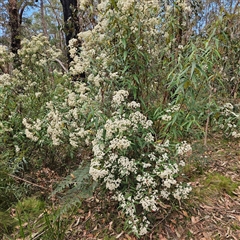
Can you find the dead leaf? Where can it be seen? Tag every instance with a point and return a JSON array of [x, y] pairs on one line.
[[207, 235], [173, 221], [185, 213], [163, 205], [110, 225], [119, 235], [195, 219], [161, 237], [205, 206], [178, 234], [128, 237]]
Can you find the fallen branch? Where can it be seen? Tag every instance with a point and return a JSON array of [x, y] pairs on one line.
[[24, 180]]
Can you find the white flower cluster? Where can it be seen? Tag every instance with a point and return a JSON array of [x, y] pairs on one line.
[[125, 5], [5, 80], [167, 114], [182, 192], [17, 148], [37, 48], [133, 105], [120, 157], [83, 4], [162, 147], [173, 108], [126, 166], [119, 143], [71, 100], [227, 109], [55, 124], [5, 55], [149, 138], [138, 118], [116, 124], [97, 173], [184, 148], [96, 50], [235, 134], [119, 97], [73, 47], [166, 118], [32, 129], [77, 135], [126, 159], [229, 121], [149, 203], [3, 50], [64, 119]]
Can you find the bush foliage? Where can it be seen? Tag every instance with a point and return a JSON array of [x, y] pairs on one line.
[[144, 92]]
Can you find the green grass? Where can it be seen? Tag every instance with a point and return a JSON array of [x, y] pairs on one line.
[[214, 185], [7, 223], [219, 183]]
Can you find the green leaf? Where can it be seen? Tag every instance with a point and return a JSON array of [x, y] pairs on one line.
[[193, 68], [186, 84], [136, 78], [124, 43], [125, 69], [125, 55], [78, 184]]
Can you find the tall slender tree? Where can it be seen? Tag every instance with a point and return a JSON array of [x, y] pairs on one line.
[[16, 9], [43, 18], [71, 27], [14, 23], [71, 22]]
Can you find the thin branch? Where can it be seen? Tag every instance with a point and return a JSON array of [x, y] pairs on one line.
[[206, 130], [61, 64], [24, 180], [208, 118], [236, 7]]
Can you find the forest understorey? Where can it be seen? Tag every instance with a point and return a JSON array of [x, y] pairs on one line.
[[212, 211]]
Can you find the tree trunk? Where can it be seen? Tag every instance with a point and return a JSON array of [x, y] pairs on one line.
[[71, 22], [43, 19], [72, 27], [15, 29]]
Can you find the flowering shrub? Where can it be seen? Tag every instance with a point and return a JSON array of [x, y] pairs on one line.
[[139, 45], [5, 59], [65, 120], [23, 94], [128, 162], [229, 121], [121, 51]]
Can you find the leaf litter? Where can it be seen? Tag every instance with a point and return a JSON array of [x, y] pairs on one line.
[[213, 216]]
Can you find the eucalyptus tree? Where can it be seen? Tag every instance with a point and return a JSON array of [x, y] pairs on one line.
[[78, 16], [48, 19], [12, 19], [70, 15]]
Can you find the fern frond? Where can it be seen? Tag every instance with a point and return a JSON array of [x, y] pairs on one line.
[[76, 186]]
